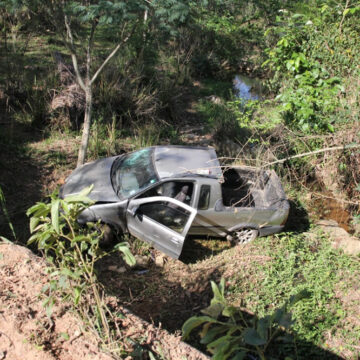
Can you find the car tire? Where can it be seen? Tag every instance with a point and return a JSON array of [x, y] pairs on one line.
[[244, 236], [108, 237]]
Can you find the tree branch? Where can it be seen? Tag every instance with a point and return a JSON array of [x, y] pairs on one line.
[[345, 147], [88, 51], [73, 54], [112, 54]]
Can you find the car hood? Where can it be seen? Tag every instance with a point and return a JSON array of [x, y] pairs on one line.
[[96, 173]]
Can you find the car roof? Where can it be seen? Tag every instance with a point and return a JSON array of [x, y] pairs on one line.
[[174, 161]]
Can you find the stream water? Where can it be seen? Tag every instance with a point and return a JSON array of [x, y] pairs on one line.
[[246, 88]]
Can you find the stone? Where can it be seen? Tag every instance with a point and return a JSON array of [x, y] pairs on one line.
[[142, 261], [160, 260], [340, 238]]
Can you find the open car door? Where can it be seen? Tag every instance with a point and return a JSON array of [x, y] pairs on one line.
[[161, 221]]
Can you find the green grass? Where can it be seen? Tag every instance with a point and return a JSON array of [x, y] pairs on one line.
[[295, 263]]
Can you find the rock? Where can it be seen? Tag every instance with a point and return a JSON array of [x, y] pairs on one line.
[[142, 261], [214, 99], [160, 260], [356, 226], [340, 238], [119, 270]]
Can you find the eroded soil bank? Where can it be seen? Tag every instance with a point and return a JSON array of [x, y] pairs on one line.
[[27, 332]]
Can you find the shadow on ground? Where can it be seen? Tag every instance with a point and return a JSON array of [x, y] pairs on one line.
[[170, 294], [198, 248], [27, 173], [20, 179], [298, 220]]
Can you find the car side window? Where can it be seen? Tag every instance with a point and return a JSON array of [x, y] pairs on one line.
[[167, 214], [179, 190], [204, 197]]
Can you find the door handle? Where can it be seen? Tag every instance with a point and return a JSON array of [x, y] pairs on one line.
[[175, 240], [133, 212]]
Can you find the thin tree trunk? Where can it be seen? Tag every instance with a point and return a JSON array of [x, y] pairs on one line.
[[87, 84], [86, 127]]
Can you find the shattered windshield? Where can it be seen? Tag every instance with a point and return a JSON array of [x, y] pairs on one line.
[[133, 173]]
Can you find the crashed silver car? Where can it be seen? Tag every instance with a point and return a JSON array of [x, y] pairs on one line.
[[161, 194]]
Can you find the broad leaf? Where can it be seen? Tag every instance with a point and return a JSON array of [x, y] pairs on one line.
[[193, 322], [33, 223], [212, 333], [252, 337], [213, 310], [55, 215], [263, 326], [127, 255], [239, 356]]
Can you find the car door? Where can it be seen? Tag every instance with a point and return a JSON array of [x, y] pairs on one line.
[[161, 221]]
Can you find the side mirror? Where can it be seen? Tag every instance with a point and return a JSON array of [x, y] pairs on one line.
[[133, 212]]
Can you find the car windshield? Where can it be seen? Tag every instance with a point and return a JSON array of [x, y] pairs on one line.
[[133, 173]]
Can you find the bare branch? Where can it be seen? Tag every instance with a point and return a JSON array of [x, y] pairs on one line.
[[73, 54], [89, 48], [345, 147], [111, 55]]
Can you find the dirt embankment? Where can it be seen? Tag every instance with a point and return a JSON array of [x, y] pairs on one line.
[[27, 332]]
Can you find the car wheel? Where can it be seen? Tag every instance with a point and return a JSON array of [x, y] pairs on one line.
[[244, 236], [108, 237]]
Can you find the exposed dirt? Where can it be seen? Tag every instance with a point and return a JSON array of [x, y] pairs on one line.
[[27, 332]]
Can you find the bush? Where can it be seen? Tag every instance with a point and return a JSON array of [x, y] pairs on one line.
[[72, 250]]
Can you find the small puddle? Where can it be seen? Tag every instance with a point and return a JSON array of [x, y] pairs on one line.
[[246, 88], [328, 208]]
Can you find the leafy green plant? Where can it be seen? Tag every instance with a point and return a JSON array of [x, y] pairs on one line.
[[309, 94], [311, 97], [228, 332], [72, 250]]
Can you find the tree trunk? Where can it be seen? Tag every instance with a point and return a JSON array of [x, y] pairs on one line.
[[86, 128]]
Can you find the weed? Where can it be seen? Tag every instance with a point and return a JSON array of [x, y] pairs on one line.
[[230, 333], [73, 251], [299, 263]]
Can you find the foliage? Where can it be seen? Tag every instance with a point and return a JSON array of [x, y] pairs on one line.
[[310, 95], [229, 333], [230, 33], [72, 250], [307, 103]]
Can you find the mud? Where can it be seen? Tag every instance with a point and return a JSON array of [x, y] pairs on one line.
[[328, 208]]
